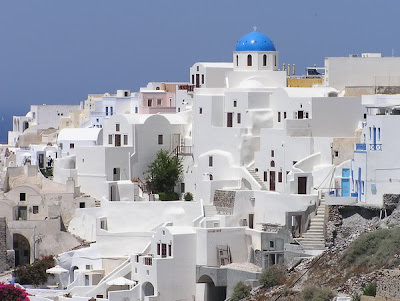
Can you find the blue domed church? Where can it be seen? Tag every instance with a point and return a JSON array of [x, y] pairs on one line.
[[255, 51]]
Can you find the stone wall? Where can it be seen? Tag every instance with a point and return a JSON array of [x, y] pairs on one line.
[[3, 244], [388, 286], [224, 201]]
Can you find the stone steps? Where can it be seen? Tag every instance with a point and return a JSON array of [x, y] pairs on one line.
[[254, 174], [210, 210], [313, 238]]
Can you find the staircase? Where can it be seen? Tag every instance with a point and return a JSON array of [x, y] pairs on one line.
[[254, 174], [314, 238], [210, 210]]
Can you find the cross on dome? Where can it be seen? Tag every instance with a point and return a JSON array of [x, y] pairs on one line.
[[255, 28]]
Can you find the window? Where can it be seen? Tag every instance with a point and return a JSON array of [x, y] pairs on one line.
[[272, 163], [234, 103], [159, 101], [369, 133], [264, 60], [265, 176], [160, 139], [35, 209], [237, 60], [61, 146], [284, 115], [125, 139], [239, 118], [158, 249], [136, 110], [336, 153], [280, 177], [275, 59], [111, 111], [182, 187], [149, 102], [210, 161], [249, 60], [71, 146], [192, 79], [198, 68], [82, 205], [279, 116], [379, 133], [169, 250], [272, 153], [202, 78], [306, 114], [106, 111], [22, 196], [200, 110], [163, 250], [271, 244], [110, 139], [117, 127], [365, 116]]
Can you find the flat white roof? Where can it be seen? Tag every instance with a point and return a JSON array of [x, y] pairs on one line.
[[309, 92]]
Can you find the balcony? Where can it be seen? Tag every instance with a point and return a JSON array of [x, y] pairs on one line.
[[361, 147], [375, 147]]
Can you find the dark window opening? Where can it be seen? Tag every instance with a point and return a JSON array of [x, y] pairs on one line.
[[160, 139], [249, 60], [82, 205]]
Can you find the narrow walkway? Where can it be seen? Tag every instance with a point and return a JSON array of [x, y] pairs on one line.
[[314, 238]]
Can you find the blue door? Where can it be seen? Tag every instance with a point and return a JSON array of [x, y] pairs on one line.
[[345, 187]]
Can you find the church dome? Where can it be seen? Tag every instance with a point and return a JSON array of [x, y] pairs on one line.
[[255, 41]]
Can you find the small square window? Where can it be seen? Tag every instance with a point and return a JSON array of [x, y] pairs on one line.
[[35, 209], [160, 139], [71, 145], [234, 103], [117, 127], [22, 196], [271, 244], [336, 154], [82, 205]]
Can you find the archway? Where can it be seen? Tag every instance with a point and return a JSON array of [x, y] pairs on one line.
[[72, 274], [212, 292], [148, 289], [22, 249]]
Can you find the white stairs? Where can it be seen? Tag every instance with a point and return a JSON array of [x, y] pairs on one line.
[[313, 238], [210, 210], [254, 174]]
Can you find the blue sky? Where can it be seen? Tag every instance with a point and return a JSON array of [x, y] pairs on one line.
[[57, 52]]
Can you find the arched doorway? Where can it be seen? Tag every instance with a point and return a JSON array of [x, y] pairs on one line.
[[212, 292], [22, 249], [72, 274], [148, 289]]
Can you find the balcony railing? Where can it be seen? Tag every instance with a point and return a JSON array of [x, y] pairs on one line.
[[361, 147], [375, 147]]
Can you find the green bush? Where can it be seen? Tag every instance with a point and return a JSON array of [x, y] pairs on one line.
[[34, 273], [373, 249], [356, 297], [370, 289], [272, 276], [240, 291], [188, 196], [168, 196], [315, 293]]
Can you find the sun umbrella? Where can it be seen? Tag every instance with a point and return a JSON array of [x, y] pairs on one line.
[[56, 270]]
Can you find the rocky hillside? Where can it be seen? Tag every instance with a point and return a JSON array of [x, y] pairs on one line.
[[361, 243]]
